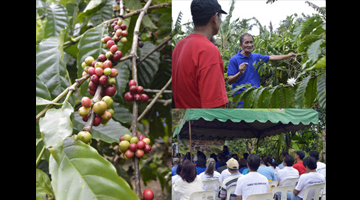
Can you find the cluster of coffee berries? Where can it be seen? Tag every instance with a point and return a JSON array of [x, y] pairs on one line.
[[100, 72], [119, 32], [135, 93], [103, 110], [137, 146], [84, 136]]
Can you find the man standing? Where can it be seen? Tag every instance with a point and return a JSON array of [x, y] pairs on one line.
[[197, 66], [253, 182], [241, 69]]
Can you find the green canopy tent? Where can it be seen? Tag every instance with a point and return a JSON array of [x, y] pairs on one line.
[[210, 124]]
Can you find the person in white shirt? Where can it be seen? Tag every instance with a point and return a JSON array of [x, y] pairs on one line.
[[253, 182], [177, 175], [288, 171], [320, 166], [210, 174], [231, 180], [189, 181], [308, 179]]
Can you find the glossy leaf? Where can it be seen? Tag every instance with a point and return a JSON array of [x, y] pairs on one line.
[[300, 92], [43, 185], [148, 68], [321, 89], [55, 126], [50, 68], [92, 176], [56, 20]]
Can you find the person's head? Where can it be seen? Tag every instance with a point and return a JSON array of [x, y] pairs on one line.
[[288, 160], [283, 155], [232, 165], [207, 13], [299, 155], [210, 166], [188, 172], [247, 42], [242, 163], [314, 154], [253, 161], [178, 169], [213, 155], [270, 161], [223, 161], [176, 161], [225, 148], [187, 155], [245, 155], [309, 163], [235, 156], [201, 161]]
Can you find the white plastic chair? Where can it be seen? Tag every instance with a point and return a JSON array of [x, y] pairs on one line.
[[291, 181], [323, 197], [263, 196], [205, 195], [283, 190], [316, 187], [272, 183], [231, 190], [210, 183]]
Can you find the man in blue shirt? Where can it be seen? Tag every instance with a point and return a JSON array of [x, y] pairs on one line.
[[237, 73]]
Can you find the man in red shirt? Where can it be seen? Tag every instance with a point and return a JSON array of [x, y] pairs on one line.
[[299, 156], [197, 67]]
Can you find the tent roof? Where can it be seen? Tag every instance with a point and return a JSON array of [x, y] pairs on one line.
[[244, 123]]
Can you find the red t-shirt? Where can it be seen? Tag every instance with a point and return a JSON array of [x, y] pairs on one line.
[[197, 74], [300, 167]]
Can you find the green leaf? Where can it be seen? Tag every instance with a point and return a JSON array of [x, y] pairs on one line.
[[41, 89], [43, 185], [321, 63], [40, 101], [56, 20], [310, 93], [50, 68], [314, 50], [300, 92], [321, 90], [92, 7], [103, 14], [147, 68], [82, 174], [56, 125], [109, 133], [248, 101], [122, 80]]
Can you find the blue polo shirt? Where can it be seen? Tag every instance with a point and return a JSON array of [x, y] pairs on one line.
[[250, 75]]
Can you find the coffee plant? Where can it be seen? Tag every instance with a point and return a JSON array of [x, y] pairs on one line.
[[86, 55]]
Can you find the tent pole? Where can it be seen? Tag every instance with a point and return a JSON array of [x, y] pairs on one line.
[[190, 141], [178, 146]]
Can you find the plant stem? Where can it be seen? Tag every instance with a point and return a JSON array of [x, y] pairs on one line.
[[156, 48], [77, 83], [40, 155], [148, 107], [135, 106]]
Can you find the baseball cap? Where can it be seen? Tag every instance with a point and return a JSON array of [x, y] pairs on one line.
[[176, 160], [205, 7], [232, 164]]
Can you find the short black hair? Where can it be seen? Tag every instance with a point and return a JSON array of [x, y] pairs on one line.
[[301, 154], [314, 154], [289, 160], [201, 162], [310, 162], [243, 35], [188, 172], [253, 161]]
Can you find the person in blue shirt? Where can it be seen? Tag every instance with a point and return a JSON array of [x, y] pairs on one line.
[[241, 69]]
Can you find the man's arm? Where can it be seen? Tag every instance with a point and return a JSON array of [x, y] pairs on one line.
[[296, 192], [280, 57], [239, 197], [233, 79]]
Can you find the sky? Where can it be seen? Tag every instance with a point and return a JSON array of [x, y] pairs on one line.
[[275, 12]]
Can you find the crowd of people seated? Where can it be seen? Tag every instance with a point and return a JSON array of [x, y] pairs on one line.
[[250, 174]]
